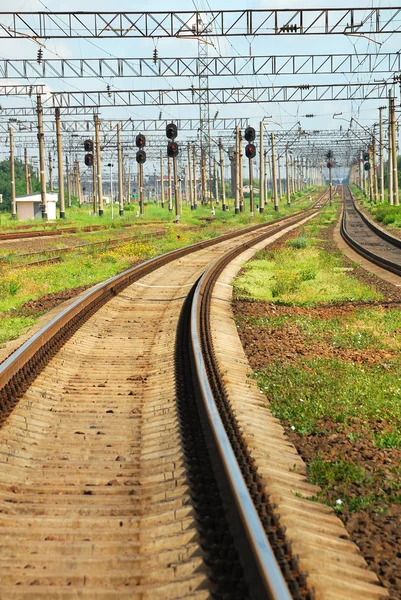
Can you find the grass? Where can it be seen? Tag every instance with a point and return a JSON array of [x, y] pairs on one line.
[[302, 273], [385, 213]]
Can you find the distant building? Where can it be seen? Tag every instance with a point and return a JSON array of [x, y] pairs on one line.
[[30, 206]]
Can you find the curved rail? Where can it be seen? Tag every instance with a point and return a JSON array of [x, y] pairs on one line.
[[240, 485], [365, 252]]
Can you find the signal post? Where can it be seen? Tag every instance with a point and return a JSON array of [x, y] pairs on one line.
[[140, 142]]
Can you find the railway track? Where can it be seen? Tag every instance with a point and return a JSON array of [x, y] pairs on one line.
[[367, 239], [116, 468]]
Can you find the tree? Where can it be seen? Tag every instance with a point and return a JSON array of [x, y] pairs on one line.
[[20, 185]]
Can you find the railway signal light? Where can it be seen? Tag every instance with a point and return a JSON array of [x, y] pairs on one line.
[[89, 160], [250, 151], [88, 146], [171, 131], [366, 156], [330, 164], [172, 149], [141, 157], [250, 134], [140, 141], [366, 166]]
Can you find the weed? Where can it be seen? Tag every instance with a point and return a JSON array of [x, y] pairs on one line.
[[387, 439], [326, 473]]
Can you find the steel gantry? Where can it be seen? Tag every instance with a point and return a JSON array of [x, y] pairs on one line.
[[189, 24], [211, 66], [231, 95]]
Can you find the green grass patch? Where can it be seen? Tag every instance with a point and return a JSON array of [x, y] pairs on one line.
[[327, 473], [304, 392], [302, 273], [13, 327]]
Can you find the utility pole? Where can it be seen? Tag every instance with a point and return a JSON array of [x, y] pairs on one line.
[[203, 176], [223, 187], [41, 156], [390, 154], [98, 166], [241, 175], [120, 171], [60, 165], [170, 191], [251, 198], [78, 183], [216, 180], [67, 170], [287, 175], [195, 182], [50, 172], [375, 183], [273, 173], [191, 192], [12, 174], [237, 163], [370, 176], [28, 183], [176, 192], [94, 190], [161, 180], [140, 190], [261, 168], [381, 161], [279, 177], [394, 151]]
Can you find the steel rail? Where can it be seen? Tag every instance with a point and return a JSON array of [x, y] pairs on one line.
[[263, 573], [384, 263]]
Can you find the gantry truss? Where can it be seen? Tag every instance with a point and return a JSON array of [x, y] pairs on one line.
[[253, 22], [21, 90], [137, 125], [212, 66], [232, 95]]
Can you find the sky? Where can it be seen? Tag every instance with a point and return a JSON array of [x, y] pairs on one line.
[[284, 115]]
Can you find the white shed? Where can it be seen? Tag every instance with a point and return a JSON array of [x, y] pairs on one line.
[[29, 206]]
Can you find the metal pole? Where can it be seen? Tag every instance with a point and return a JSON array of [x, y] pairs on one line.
[[191, 185], [50, 172], [241, 176], [261, 169], [390, 154], [287, 175], [395, 158], [12, 174], [98, 166], [216, 180], [120, 171], [237, 181], [41, 156], [381, 161], [170, 191], [60, 165], [94, 191], [279, 177], [176, 193], [161, 180], [28, 184], [67, 170], [223, 186], [375, 182], [78, 183], [141, 190], [251, 198], [195, 190], [370, 176], [330, 186], [273, 172]]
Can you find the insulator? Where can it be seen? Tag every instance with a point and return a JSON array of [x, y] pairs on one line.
[[108, 91], [40, 56], [155, 56]]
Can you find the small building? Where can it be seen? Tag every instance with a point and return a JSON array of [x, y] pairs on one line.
[[29, 206]]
